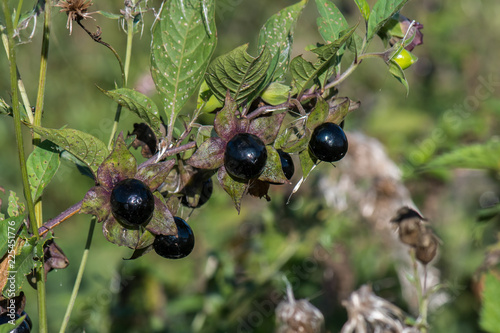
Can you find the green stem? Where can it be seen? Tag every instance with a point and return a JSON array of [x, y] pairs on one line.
[[20, 84], [128, 55], [18, 12], [40, 97], [81, 269], [22, 162]]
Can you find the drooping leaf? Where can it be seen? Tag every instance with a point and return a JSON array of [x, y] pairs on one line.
[[239, 73], [484, 156], [331, 21], [490, 312], [277, 36], [140, 104], [381, 13], [305, 73], [83, 146], [42, 165], [364, 8], [399, 74], [183, 43], [234, 188]]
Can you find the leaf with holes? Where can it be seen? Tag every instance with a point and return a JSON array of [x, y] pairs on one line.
[[83, 146], [140, 104], [183, 44], [240, 73], [42, 165], [380, 14], [277, 36]]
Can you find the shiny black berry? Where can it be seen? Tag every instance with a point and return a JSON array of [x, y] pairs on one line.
[[25, 327], [132, 202], [175, 246], [206, 192], [328, 142], [245, 156], [286, 164]]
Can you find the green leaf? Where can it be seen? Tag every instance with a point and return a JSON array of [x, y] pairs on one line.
[[83, 146], [22, 265], [8, 232], [140, 104], [240, 73], [119, 165], [15, 208], [317, 115], [277, 36], [364, 8], [109, 15], [305, 73], [381, 13], [276, 93], [332, 22], [478, 156], [490, 312], [399, 74], [183, 44], [42, 165], [4, 107]]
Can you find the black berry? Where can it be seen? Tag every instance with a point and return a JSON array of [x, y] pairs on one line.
[[245, 156], [132, 202], [328, 142], [206, 192], [175, 246], [5, 319], [286, 164]]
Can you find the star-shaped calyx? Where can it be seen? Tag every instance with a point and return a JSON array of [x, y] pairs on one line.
[[259, 162], [118, 167]]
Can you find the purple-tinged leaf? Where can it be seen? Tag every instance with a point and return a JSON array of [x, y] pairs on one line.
[[233, 187], [162, 222], [96, 202], [210, 155], [267, 127], [273, 172], [154, 175], [119, 165], [226, 123]]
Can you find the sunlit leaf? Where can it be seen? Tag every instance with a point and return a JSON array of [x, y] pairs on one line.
[[42, 165], [183, 44], [381, 13]]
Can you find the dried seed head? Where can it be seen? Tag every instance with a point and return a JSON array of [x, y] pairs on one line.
[[298, 316], [409, 225], [369, 313], [76, 10], [427, 246]]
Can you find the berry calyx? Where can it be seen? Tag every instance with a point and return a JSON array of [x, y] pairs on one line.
[[132, 202], [328, 142], [245, 156], [175, 246], [286, 164]]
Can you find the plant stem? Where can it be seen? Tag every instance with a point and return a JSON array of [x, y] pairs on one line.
[[20, 84], [60, 218], [20, 149], [125, 72], [81, 269]]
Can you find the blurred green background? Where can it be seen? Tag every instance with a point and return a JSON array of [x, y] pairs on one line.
[[224, 285]]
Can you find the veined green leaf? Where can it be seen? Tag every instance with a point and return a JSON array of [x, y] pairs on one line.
[[83, 146], [42, 165], [8, 231], [381, 13], [183, 43], [478, 156], [140, 104], [277, 36], [332, 22], [305, 73], [240, 73]]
